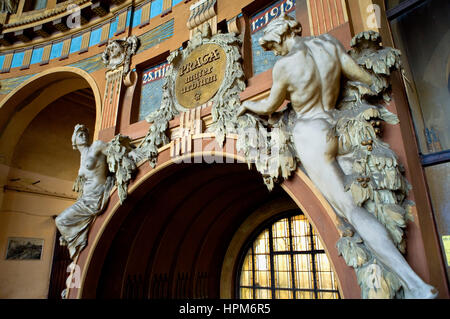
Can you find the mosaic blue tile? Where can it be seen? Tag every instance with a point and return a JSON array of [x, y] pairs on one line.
[[17, 59], [40, 4], [75, 44], [56, 50], [113, 28], [10, 84], [151, 93], [151, 96], [156, 8], [96, 35], [156, 35], [36, 56], [91, 64], [137, 18], [127, 24]]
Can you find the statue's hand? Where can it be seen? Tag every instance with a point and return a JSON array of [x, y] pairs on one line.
[[78, 184]]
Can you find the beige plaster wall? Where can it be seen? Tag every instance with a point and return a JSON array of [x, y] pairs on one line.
[[36, 187], [28, 215], [45, 146]]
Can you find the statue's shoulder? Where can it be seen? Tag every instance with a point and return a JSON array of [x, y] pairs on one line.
[[325, 38], [326, 41], [98, 145], [282, 63], [98, 142]]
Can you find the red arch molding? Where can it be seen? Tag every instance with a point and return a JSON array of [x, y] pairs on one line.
[[298, 187]]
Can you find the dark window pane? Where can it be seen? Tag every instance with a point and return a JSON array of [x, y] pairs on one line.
[[393, 3], [438, 177], [423, 36]]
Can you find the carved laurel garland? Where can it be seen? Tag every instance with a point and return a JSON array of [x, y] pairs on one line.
[[267, 144], [376, 179], [121, 162], [224, 103]]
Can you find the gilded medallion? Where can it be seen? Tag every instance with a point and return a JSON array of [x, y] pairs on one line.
[[200, 75]]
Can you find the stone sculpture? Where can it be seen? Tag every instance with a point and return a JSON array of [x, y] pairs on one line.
[[102, 164], [309, 75], [119, 52]]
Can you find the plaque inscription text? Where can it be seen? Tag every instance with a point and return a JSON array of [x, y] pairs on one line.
[[200, 75]]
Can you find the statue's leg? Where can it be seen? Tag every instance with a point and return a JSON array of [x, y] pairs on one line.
[[317, 153], [73, 224], [61, 223]]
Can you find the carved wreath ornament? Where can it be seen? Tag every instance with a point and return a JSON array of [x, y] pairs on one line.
[[186, 73]]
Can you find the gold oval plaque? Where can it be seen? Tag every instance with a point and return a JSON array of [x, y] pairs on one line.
[[200, 75]]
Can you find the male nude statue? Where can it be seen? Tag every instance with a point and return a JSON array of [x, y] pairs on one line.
[[94, 186], [309, 75]]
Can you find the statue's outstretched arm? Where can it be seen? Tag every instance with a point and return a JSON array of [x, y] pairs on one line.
[[274, 100], [352, 70]]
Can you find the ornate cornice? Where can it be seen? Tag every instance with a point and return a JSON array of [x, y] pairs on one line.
[[44, 14], [37, 27]]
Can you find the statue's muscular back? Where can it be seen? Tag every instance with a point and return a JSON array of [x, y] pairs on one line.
[[312, 73]]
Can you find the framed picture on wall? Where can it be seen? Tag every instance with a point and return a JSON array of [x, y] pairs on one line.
[[24, 248]]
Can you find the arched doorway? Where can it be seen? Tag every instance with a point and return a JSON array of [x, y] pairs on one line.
[[172, 243], [38, 167], [171, 237]]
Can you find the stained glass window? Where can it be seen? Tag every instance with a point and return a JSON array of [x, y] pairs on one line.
[[287, 260]]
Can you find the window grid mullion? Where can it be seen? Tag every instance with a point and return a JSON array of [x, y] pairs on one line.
[[272, 268], [313, 261], [253, 272], [296, 289], [291, 247], [307, 252], [312, 251]]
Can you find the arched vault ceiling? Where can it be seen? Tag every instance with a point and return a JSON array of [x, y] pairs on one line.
[[183, 226]]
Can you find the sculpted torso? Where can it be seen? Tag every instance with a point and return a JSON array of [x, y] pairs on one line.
[[93, 166], [310, 73]]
